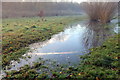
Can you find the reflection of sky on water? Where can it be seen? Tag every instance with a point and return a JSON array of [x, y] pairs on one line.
[[67, 41], [66, 46]]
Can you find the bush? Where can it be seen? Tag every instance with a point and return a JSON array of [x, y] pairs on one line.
[[100, 11]]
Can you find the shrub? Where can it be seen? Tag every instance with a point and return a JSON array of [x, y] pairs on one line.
[[100, 11]]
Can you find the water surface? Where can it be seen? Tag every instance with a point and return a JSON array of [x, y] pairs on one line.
[[67, 46]]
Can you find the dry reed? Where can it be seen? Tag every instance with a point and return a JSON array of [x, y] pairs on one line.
[[100, 11]]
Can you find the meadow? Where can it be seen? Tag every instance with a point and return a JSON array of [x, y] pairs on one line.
[[19, 33], [100, 64]]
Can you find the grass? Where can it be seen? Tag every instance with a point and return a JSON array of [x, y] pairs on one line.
[[19, 33], [103, 61], [100, 64]]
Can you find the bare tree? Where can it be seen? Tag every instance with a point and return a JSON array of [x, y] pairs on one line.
[[41, 14]]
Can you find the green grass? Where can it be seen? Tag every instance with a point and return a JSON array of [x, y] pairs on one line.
[[20, 32], [100, 64], [103, 61]]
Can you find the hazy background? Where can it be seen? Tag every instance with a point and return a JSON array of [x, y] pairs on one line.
[[78, 1], [32, 9]]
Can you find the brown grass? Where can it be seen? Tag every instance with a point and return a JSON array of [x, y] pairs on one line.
[[100, 11]]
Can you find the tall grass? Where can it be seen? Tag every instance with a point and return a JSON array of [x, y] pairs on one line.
[[100, 11]]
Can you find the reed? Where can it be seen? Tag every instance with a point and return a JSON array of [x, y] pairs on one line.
[[100, 11]]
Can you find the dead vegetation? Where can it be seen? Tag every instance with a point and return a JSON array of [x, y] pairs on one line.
[[100, 11]]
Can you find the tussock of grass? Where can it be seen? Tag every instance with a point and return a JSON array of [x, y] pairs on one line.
[[100, 11]]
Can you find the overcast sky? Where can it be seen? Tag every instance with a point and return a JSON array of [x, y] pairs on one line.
[[79, 1]]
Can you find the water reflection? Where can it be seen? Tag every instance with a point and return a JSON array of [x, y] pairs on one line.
[[96, 34], [67, 41], [66, 46], [61, 37]]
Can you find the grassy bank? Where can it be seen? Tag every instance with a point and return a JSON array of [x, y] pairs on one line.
[[19, 33], [102, 63]]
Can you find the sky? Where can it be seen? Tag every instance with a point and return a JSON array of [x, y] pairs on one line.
[[78, 1]]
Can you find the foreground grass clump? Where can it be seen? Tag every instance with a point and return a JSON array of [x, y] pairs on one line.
[[19, 33], [100, 64]]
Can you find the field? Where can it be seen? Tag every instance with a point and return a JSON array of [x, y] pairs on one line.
[[60, 40], [19, 33], [100, 64]]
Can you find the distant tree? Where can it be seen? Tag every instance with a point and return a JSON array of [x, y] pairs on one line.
[[41, 14]]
